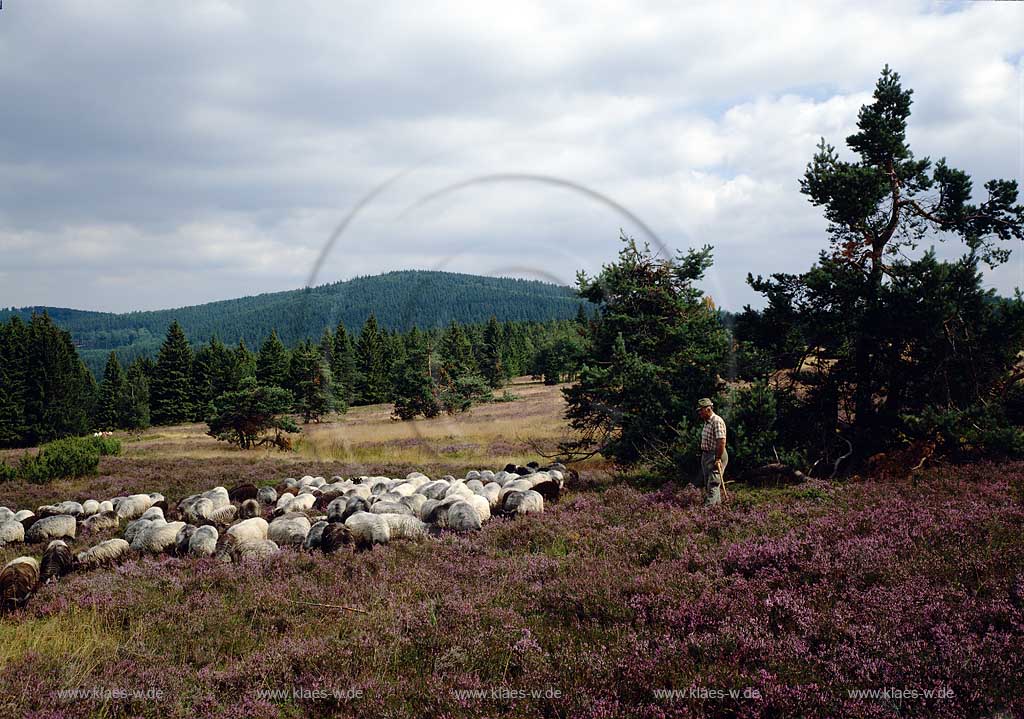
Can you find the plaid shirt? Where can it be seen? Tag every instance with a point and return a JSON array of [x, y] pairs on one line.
[[714, 430]]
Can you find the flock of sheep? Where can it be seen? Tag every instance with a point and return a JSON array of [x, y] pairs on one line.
[[309, 513]]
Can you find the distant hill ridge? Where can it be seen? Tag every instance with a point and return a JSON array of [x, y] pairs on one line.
[[399, 299]]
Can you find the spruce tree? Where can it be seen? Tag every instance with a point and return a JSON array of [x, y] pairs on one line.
[[13, 353], [244, 366], [171, 389], [59, 387], [372, 386], [111, 395], [415, 390], [491, 366], [134, 404], [343, 365], [310, 382], [272, 362]]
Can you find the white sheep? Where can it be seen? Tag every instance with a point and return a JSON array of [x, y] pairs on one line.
[[157, 538], [133, 507], [111, 551], [389, 507], [5, 514], [414, 502], [134, 529], [403, 526], [368, 529], [58, 526], [11, 531], [520, 503], [98, 522], [106, 506], [289, 530], [255, 528], [153, 513], [203, 542], [481, 505], [313, 537], [23, 514], [224, 515], [463, 517], [491, 491], [90, 507], [253, 549], [73, 508], [266, 495]]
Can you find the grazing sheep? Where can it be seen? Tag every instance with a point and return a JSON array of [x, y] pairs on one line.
[[300, 503], [98, 522], [57, 561], [390, 508], [153, 513], [242, 492], [11, 532], [334, 536], [486, 475], [250, 508], [253, 549], [196, 509], [224, 515], [491, 492], [458, 489], [289, 530], [359, 490], [403, 526], [519, 503], [5, 514], [73, 508], [414, 502], [462, 517], [181, 541], [312, 540], [132, 507], [219, 497], [283, 501], [368, 529], [59, 526], [106, 506], [266, 495], [481, 505], [157, 538], [136, 528], [48, 510], [105, 553], [90, 507], [435, 511], [203, 542], [22, 515], [255, 528], [352, 505], [472, 474], [474, 484], [547, 487], [18, 580]]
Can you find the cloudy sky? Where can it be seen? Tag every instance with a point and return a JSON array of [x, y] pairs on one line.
[[158, 154]]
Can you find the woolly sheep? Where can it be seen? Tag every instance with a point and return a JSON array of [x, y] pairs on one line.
[[57, 561], [5, 514], [266, 495], [157, 538], [403, 526], [203, 542], [224, 515], [474, 484], [219, 497], [253, 549], [111, 551], [481, 505], [133, 507], [462, 517], [458, 489], [289, 530], [90, 507], [472, 474], [334, 536], [134, 529], [197, 510], [519, 503], [255, 528], [490, 492], [23, 514], [359, 490], [55, 527], [368, 529], [106, 506], [332, 491], [486, 475], [390, 508], [301, 503], [283, 501], [312, 540], [48, 510], [18, 580], [250, 508], [11, 532], [414, 502], [98, 522], [73, 508], [404, 489], [242, 492], [153, 513], [182, 539]]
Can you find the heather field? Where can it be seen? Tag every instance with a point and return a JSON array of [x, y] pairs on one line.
[[625, 599]]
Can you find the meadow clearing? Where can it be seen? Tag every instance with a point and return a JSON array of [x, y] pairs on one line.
[[626, 599]]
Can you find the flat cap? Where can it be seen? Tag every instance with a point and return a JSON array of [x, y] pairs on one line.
[[704, 402]]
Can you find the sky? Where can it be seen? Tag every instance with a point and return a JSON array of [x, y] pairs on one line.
[[156, 155]]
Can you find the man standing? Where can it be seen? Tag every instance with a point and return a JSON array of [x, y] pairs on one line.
[[713, 457]]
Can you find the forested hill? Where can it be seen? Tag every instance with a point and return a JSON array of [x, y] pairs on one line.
[[399, 300]]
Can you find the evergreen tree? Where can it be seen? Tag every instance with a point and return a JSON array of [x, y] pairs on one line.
[[327, 346], [310, 383], [491, 365], [59, 388], [372, 385], [246, 416], [171, 388], [112, 391], [134, 405], [13, 387], [244, 365], [343, 366], [415, 390], [272, 362]]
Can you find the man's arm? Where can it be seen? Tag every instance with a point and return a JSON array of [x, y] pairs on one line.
[[720, 450]]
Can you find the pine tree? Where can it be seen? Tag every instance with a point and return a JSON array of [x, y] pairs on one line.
[[134, 405], [415, 390], [171, 388], [272, 362], [343, 366], [13, 353], [244, 365], [310, 383], [327, 346], [59, 388], [372, 386], [491, 366], [112, 390]]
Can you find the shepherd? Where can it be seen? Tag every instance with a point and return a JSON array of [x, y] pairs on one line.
[[713, 456]]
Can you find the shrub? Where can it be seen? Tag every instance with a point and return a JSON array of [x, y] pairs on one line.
[[7, 472], [69, 457]]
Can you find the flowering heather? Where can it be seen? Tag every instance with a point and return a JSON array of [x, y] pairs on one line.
[[601, 607]]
